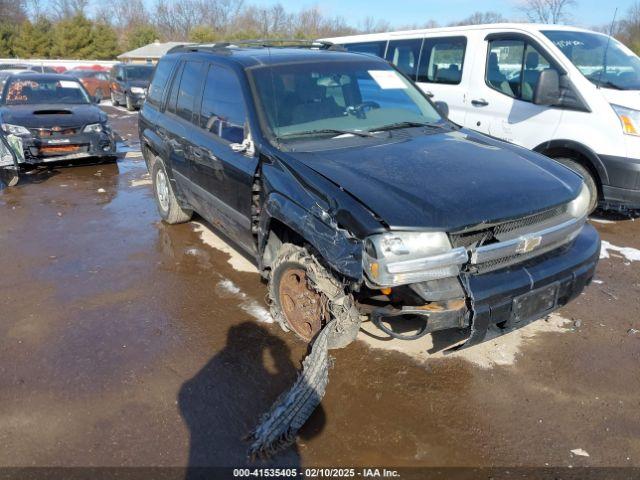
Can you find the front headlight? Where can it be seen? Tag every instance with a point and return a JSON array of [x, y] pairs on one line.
[[138, 90], [629, 118], [93, 128], [399, 258], [579, 207], [15, 129]]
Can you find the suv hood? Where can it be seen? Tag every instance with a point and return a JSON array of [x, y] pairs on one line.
[[624, 98], [34, 116], [446, 181]]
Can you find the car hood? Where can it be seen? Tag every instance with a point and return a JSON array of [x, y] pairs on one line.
[[446, 181], [34, 116], [624, 98]]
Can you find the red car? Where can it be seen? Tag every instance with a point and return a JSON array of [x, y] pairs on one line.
[[96, 82]]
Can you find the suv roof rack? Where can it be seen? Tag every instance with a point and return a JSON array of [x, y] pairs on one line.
[[258, 43]]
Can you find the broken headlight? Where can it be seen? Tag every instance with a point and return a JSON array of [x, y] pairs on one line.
[[579, 207], [93, 128], [399, 258]]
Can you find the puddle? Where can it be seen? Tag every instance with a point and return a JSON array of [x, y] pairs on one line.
[[236, 260]]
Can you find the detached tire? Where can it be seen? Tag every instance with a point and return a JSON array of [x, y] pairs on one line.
[[588, 179], [166, 201]]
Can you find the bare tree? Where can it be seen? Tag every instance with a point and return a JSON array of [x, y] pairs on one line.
[[547, 11], [12, 11], [480, 18]]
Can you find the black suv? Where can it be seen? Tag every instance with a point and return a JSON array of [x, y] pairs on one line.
[[129, 84], [357, 198]]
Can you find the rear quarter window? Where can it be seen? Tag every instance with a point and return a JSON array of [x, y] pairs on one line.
[[376, 48]]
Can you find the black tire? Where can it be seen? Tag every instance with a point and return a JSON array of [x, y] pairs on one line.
[[129, 103], [114, 100], [166, 201], [588, 179], [99, 95]]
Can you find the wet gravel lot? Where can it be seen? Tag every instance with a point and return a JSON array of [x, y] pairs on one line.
[[127, 342]]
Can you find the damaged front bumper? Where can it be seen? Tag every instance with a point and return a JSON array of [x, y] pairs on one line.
[[509, 297], [81, 146]]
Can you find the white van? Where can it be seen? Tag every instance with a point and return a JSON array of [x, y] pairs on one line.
[[584, 110]]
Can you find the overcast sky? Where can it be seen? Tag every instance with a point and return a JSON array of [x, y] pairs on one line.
[[403, 12]]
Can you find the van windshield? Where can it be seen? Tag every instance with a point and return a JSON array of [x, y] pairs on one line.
[[618, 69], [326, 98], [138, 73]]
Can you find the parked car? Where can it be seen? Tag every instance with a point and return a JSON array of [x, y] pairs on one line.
[[488, 75], [55, 118], [9, 168], [96, 82], [355, 196], [31, 68], [129, 84]]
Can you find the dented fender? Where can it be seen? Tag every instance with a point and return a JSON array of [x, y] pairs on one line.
[[337, 247]]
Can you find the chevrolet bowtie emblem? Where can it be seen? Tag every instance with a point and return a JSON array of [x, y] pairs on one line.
[[528, 244]]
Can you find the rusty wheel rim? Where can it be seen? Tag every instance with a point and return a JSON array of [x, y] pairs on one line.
[[303, 307]]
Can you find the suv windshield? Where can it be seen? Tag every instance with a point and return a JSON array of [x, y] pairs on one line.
[[330, 98], [619, 69], [32, 92], [138, 73]]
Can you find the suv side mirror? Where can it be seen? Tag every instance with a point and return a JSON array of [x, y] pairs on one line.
[[443, 108], [119, 78], [547, 90]]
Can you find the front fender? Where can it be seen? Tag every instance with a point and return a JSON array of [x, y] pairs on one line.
[[338, 248]]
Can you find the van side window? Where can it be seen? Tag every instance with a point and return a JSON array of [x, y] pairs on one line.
[[160, 81], [375, 48], [513, 68], [223, 111], [442, 60], [189, 89], [405, 55]]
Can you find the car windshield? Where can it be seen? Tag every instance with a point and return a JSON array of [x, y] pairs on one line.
[[330, 98], [138, 73], [38, 91], [614, 66]]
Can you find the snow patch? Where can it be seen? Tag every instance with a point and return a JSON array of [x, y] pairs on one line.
[[631, 254], [248, 305], [237, 261], [498, 348], [580, 452]]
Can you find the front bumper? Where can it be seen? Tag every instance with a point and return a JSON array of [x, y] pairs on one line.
[[492, 295], [81, 146], [624, 181], [137, 99]]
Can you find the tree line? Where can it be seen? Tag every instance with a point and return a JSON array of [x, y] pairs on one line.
[[70, 29]]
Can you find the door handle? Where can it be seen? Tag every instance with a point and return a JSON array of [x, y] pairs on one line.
[[480, 102]]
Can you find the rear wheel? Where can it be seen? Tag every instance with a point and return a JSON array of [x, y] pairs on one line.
[[588, 179], [166, 201]]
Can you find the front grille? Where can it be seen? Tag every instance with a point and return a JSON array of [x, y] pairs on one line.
[[55, 132]]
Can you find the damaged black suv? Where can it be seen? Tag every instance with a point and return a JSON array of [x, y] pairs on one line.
[[357, 198]]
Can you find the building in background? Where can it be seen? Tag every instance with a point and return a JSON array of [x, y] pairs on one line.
[[149, 53]]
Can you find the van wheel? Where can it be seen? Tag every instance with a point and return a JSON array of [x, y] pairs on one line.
[[114, 101], [129, 103], [588, 179], [168, 206]]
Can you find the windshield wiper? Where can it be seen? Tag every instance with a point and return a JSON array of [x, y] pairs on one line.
[[357, 133], [399, 125]]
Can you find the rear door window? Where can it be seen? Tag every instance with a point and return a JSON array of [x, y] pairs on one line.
[[405, 54], [223, 112], [189, 89], [160, 81], [442, 60]]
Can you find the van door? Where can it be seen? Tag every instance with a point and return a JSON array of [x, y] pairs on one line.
[[222, 176], [442, 73], [501, 91]]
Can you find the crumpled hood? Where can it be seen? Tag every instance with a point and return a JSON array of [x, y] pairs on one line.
[[446, 181], [54, 115]]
